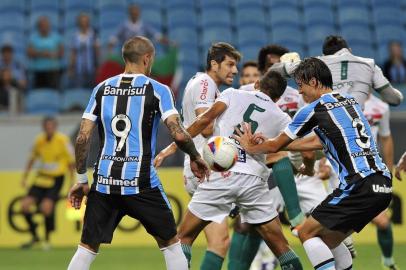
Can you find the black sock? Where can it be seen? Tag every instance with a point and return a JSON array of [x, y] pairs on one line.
[[31, 224], [49, 225]]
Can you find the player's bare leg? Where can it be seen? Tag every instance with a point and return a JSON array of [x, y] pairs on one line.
[[26, 204], [385, 239], [324, 247], [271, 232], [188, 230], [218, 242]]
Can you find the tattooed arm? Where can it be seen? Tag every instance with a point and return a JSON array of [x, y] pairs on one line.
[[82, 144], [181, 137]]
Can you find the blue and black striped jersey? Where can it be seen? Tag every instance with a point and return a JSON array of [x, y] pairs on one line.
[[127, 109], [345, 134]]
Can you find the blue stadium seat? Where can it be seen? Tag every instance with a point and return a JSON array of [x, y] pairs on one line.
[[208, 4], [388, 15], [181, 17], [315, 35], [111, 4], [184, 35], [318, 15], [288, 34], [242, 4], [285, 16], [315, 48], [75, 99], [388, 33], [12, 6], [105, 34], [348, 16], [253, 16], [250, 52], [157, 4], [358, 34], [52, 17], [189, 54], [382, 53], [363, 50], [215, 34], [16, 39], [215, 16], [326, 4], [251, 34], [78, 5], [153, 17], [282, 3], [386, 3], [351, 3], [111, 18], [175, 4], [13, 21], [42, 101], [44, 6]]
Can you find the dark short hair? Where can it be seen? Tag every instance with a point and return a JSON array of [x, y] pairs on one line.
[[49, 118], [333, 44], [313, 67], [269, 49], [136, 47], [218, 52], [249, 64], [7, 48], [273, 83]]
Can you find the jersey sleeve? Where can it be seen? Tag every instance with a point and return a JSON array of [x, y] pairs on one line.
[[204, 94], [384, 126], [35, 149], [166, 101], [302, 123], [225, 96], [92, 110], [379, 80]]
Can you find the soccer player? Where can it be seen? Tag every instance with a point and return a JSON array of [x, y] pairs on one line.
[[199, 95], [378, 114], [127, 108], [401, 166], [245, 242], [245, 183], [249, 73], [351, 74], [55, 154], [365, 181]]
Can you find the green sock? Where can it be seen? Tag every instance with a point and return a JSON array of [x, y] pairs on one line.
[[290, 261], [285, 180], [385, 240], [234, 253], [249, 250], [187, 250], [211, 261]]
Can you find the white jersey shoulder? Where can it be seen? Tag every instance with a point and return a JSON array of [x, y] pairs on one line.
[[354, 75], [200, 92], [248, 87], [264, 115]]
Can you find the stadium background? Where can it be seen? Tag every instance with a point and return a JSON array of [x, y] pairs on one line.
[[300, 25]]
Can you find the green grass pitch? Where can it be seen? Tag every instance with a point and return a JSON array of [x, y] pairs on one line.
[[118, 258]]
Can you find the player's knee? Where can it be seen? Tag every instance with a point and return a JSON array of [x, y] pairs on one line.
[[26, 204], [46, 207], [305, 234], [382, 222], [242, 228]]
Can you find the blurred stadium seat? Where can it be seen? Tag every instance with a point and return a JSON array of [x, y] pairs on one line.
[[251, 34], [75, 99], [279, 17], [12, 21], [12, 6], [250, 16], [42, 101], [44, 6], [215, 16], [181, 17], [353, 15]]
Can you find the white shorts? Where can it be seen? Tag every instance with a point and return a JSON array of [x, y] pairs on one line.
[[213, 199], [311, 192], [191, 181]]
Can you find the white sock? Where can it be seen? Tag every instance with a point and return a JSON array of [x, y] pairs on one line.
[[82, 259], [342, 257], [174, 257], [319, 254]]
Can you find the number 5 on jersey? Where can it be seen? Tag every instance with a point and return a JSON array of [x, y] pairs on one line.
[[123, 132]]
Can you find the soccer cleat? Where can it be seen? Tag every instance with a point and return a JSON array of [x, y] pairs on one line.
[[46, 246], [391, 267], [31, 243]]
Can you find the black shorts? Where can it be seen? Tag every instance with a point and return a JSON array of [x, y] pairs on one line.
[[105, 211], [353, 209], [40, 193]]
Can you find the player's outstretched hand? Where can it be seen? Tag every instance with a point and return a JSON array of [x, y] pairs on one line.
[[304, 170], [168, 151], [200, 169], [76, 194], [246, 138], [401, 166], [258, 138]]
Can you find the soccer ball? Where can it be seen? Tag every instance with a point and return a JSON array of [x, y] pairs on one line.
[[220, 153]]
